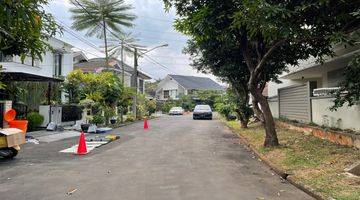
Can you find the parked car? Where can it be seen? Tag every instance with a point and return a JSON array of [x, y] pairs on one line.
[[202, 112], [176, 111]]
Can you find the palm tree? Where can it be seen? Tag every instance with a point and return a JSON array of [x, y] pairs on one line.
[[100, 16]]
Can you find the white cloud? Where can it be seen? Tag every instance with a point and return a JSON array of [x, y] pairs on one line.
[[65, 3], [153, 27]]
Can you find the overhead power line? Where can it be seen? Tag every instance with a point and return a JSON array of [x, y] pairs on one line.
[[158, 63], [68, 30], [148, 30], [154, 18], [176, 40], [115, 35]]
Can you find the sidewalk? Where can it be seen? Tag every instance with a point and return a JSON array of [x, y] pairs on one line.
[[52, 136]]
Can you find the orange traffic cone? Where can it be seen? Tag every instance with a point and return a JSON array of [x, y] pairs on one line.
[[146, 125], [82, 145]]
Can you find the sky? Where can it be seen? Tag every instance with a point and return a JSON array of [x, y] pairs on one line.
[[153, 27]]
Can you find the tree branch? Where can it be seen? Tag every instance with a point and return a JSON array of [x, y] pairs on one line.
[[261, 64]]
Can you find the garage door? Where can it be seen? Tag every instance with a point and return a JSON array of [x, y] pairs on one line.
[[294, 103]]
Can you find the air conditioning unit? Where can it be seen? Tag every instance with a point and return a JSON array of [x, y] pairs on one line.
[[324, 91]]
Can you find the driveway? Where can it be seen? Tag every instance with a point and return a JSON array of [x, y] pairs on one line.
[[178, 158]]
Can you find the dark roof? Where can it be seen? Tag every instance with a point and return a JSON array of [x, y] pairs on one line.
[[22, 76], [96, 64], [198, 83]]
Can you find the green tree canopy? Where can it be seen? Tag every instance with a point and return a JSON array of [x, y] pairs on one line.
[[349, 92], [104, 88], [25, 28], [270, 35]]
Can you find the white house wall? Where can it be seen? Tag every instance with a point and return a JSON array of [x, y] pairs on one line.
[[274, 107], [46, 66], [344, 118], [309, 70], [67, 64], [127, 80], [182, 91], [168, 84], [273, 87], [318, 74]]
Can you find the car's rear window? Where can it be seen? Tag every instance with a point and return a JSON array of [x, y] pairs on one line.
[[176, 108], [202, 107]]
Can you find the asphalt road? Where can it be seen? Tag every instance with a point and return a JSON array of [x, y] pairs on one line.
[[178, 158]]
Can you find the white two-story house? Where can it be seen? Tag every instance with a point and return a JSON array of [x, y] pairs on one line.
[[55, 63], [53, 67], [173, 86], [305, 92]]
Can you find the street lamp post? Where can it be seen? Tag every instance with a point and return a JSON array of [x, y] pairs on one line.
[[135, 74]]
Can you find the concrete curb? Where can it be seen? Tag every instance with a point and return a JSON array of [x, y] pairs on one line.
[[338, 137], [277, 170]]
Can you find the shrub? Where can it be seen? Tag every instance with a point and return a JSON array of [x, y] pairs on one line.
[[225, 109], [98, 119], [151, 106], [168, 105], [109, 112], [34, 120], [130, 118]]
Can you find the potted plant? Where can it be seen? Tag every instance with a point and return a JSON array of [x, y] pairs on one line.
[[113, 120], [85, 127]]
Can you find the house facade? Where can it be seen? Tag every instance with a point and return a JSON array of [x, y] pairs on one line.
[[56, 63], [97, 65], [173, 86], [53, 67], [305, 92]]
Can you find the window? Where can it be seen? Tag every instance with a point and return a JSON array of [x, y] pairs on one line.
[[141, 85], [173, 94], [166, 94], [58, 63]]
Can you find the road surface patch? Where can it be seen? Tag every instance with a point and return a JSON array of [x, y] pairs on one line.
[[58, 136], [89, 146]]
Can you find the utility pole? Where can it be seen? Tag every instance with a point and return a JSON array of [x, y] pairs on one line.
[[135, 82], [122, 77], [135, 74]]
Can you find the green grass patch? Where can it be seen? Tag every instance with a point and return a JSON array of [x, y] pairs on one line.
[[317, 163]]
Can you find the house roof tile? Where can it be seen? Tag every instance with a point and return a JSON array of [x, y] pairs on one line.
[[198, 83]]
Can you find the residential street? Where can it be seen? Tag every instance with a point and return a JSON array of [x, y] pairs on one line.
[[178, 158]]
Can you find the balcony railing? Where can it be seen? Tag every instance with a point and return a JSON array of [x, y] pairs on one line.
[[320, 92], [16, 59]]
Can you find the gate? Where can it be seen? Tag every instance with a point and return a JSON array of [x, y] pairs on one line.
[[294, 103]]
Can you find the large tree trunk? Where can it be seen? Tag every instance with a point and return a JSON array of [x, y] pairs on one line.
[[106, 46], [257, 110], [243, 120], [269, 123]]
